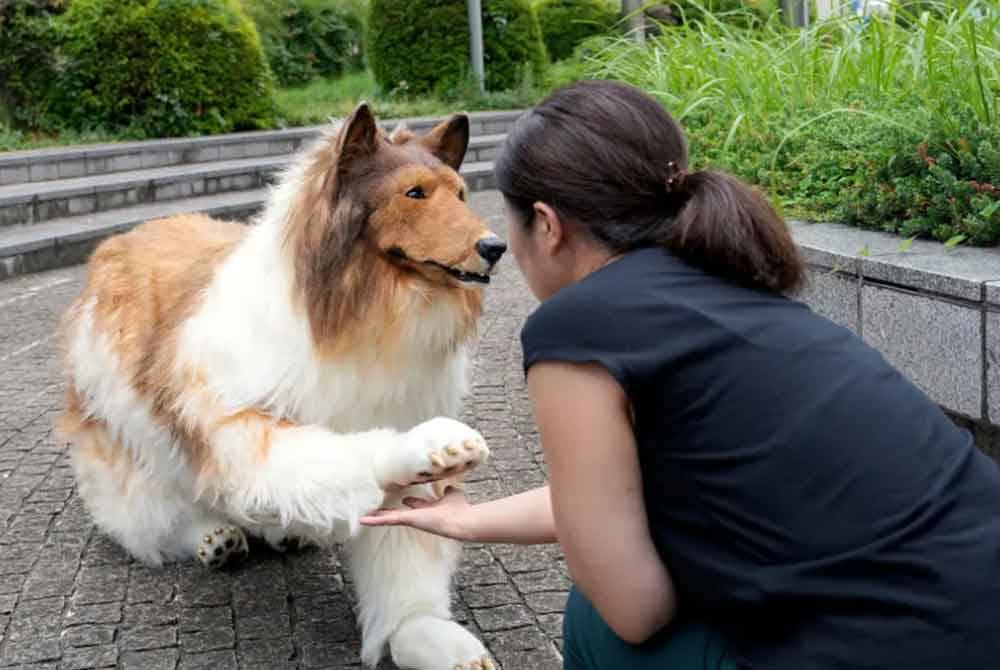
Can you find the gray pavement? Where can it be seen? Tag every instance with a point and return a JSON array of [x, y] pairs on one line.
[[70, 599]]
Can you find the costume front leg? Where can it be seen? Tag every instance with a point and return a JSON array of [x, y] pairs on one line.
[[403, 581], [313, 483]]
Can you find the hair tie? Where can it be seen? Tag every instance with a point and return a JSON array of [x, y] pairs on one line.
[[675, 182]]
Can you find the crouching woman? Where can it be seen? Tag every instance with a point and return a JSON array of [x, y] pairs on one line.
[[735, 481]]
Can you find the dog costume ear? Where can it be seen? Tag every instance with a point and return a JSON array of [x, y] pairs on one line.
[[449, 140], [358, 136]]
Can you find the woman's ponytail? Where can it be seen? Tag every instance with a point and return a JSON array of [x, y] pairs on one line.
[[609, 158], [728, 228]]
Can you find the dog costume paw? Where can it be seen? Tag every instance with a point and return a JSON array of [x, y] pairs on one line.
[[279, 540], [482, 663], [436, 449], [429, 643], [221, 546]]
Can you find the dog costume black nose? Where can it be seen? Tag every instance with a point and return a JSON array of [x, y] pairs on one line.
[[491, 248]]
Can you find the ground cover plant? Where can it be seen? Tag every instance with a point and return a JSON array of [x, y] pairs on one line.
[[886, 123]]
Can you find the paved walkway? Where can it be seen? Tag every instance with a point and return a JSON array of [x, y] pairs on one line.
[[70, 599]]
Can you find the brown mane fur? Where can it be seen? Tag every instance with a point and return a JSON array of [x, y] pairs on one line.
[[144, 284], [348, 215]]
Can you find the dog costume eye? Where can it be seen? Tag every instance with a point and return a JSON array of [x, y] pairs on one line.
[[416, 193]]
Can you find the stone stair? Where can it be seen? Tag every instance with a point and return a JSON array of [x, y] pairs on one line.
[[57, 204]]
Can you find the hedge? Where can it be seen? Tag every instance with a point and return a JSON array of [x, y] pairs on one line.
[[161, 68], [567, 23], [27, 59], [422, 46], [306, 39]]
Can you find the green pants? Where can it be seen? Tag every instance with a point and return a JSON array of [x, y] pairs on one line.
[[589, 644]]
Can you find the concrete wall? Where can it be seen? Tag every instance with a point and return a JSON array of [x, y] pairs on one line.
[[934, 313]]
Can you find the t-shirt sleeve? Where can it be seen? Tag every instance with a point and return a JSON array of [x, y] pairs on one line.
[[568, 329]]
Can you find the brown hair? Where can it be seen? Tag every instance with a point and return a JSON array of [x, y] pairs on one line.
[[608, 157]]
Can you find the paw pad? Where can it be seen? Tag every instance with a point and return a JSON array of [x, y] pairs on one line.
[[222, 546], [440, 448], [452, 459]]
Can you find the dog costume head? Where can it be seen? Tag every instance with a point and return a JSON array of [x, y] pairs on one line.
[[371, 205]]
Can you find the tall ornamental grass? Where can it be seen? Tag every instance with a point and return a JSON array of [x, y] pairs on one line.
[[887, 123]]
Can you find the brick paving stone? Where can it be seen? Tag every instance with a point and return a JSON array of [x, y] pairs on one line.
[[194, 619], [30, 651], [526, 638], [92, 606], [551, 624], [101, 584], [88, 635], [490, 596], [213, 660], [503, 617], [546, 602], [104, 613], [7, 603], [142, 638], [157, 614], [263, 626], [481, 575], [221, 637], [52, 607], [104, 656], [275, 653], [538, 659], [32, 627], [544, 580]]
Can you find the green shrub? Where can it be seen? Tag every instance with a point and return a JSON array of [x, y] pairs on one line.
[[27, 59], [743, 13], [162, 68], [305, 39], [567, 23], [863, 122], [422, 46]]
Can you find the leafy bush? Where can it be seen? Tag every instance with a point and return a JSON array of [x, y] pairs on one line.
[[305, 39], [27, 58], [422, 46], [161, 67], [743, 13], [865, 122], [567, 23]]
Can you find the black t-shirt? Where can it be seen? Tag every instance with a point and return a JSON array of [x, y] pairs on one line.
[[806, 498]]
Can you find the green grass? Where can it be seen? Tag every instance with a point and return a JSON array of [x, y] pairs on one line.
[[17, 140], [892, 126], [322, 99]]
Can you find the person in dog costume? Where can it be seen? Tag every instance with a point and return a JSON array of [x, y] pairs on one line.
[[735, 481]]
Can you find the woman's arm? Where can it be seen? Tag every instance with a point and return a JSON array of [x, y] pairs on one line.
[[525, 518], [597, 498]]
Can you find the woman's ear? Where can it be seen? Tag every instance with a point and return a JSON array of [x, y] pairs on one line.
[[548, 227]]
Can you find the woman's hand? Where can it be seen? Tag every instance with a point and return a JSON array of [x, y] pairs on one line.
[[525, 518], [449, 516]]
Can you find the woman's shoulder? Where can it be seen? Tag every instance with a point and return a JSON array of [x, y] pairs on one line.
[[605, 304]]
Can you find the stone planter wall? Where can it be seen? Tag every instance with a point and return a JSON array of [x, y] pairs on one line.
[[933, 312]]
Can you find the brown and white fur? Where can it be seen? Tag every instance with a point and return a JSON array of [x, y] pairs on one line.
[[287, 377]]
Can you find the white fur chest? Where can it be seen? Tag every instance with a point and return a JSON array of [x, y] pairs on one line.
[[350, 397], [255, 349]]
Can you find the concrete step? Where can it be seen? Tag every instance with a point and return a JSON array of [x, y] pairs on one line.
[[38, 202], [70, 240], [41, 165]]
